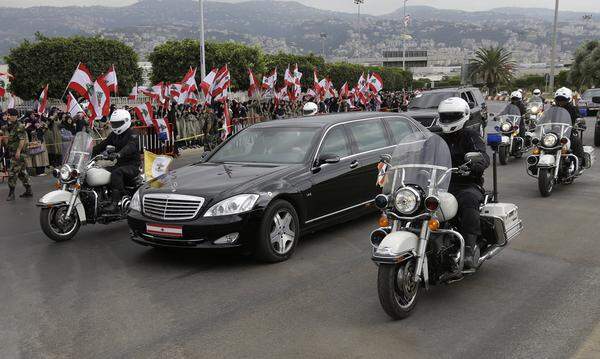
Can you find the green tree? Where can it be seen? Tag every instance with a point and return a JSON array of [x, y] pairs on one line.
[[529, 82], [172, 59], [492, 66], [585, 71], [52, 60]]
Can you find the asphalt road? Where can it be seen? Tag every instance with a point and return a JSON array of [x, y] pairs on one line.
[[102, 296]]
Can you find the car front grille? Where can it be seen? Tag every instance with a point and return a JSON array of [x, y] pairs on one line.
[[171, 207]]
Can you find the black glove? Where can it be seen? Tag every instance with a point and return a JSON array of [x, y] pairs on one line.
[[114, 156], [477, 167]]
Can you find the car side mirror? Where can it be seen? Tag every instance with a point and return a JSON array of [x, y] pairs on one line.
[[473, 157], [471, 105], [328, 159], [110, 149], [596, 99]]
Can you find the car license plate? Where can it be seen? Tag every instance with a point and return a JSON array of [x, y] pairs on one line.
[[164, 230]]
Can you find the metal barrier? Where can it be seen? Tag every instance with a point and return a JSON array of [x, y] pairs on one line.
[[149, 140]]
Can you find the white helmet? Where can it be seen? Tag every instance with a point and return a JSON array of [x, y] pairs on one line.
[[120, 121], [454, 113], [516, 94], [310, 109], [537, 92], [565, 93]]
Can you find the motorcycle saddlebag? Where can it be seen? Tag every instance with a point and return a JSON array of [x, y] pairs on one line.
[[500, 222]]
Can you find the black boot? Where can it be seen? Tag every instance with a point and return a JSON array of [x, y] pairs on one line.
[[11, 194], [28, 193], [112, 207], [471, 252]]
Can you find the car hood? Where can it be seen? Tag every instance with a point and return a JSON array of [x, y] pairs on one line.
[[212, 180]]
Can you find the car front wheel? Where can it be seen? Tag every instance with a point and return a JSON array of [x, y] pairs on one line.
[[278, 233]]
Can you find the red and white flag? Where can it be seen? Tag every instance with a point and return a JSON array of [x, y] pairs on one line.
[[227, 125], [134, 92], [73, 107], [161, 125], [154, 92], [145, 113], [288, 78], [375, 82], [220, 88], [5, 77], [207, 83], [316, 84], [344, 91], [297, 87], [43, 100], [362, 83], [175, 91], [190, 80], [192, 98], [102, 97], [11, 101], [406, 20], [81, 82], [253, 89], [111, 79], [268, 82], [311, 93]]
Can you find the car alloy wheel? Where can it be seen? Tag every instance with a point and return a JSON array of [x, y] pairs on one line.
[[282, 233]]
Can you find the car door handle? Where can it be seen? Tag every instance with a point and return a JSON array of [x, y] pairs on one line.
[[354, 164]]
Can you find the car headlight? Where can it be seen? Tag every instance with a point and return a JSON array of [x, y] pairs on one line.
[[135, 203], [506, 127], [233, 205], [65, 173], [550, 140], [534, 109], [407, 200]]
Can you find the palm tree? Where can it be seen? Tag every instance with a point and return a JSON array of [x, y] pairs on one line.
[[493, 66]]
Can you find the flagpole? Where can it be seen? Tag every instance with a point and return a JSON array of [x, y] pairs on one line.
[[202, 49]]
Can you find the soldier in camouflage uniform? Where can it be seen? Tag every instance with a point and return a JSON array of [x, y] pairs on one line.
[[15, 141]]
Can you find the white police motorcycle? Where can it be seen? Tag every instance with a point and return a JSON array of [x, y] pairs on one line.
[[417, 244], [508, 126], [552, 160], [82, 192]]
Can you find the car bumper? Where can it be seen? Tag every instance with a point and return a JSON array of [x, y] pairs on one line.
[[198, 233]]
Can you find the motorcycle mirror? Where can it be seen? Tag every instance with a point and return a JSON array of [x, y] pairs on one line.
[[596, 99], [473, 157], [110, 149]]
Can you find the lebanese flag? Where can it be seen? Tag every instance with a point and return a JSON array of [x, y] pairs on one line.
[[192, 98], [316, 84], [11, 101], [362, 83], [111, 79], [289, 77], [227, 125], [375, 82], [134, 92], [4, 78], [73, 107], [161, 126], [311, 93], [344, 91], [221, 85], [362, 97], [81, 81], [154, 92], [145, 113], [175, 90], [190, 80], [43, 100], [253, 88], [207, 82], [268, 82], [102, 97], [297, 87]]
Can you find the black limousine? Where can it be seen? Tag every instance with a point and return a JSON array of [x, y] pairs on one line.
[[269, 183]]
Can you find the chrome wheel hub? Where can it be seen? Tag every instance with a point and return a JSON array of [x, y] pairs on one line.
[[282, 232]]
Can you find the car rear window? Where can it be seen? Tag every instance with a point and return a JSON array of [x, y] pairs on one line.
[[369, 135]]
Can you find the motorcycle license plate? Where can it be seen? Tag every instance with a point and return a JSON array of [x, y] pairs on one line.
[[164, 230]]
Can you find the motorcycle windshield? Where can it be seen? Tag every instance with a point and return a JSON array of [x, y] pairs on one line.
[[556, 120], [511, 109], [80, 151], [511, 114], [421, 160]]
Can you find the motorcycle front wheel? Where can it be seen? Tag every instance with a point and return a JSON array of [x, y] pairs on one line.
[[545, 181], [397, 289], [56, 226]]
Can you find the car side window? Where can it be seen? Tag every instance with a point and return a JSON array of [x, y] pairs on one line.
[[369, 135], [400, 128], [470, 96], [335, 143], [463, 95]]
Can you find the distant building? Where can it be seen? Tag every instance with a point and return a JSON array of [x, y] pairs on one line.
[[414, 58], [146, 67]]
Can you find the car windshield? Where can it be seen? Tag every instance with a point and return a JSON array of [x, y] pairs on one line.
[[268, 145], [429, 100], [80, 151], [590, 93]]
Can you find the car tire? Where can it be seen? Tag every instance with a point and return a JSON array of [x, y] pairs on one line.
[[278, 233], [597, 134]]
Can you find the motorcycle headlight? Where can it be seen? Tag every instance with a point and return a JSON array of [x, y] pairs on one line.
[[233, 205], [65, 173], [407, 200], [505, 127], [135, 202], [534, 109], [550, 140]]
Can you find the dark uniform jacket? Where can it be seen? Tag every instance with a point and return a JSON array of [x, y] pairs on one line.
[[126, 145], [460, 143]]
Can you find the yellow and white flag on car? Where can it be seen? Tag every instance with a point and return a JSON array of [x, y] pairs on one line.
[[156, 165]]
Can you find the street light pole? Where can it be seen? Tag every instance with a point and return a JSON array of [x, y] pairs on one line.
[[553, 56], [358, 2], [323, 38], [404, 38], [202, 49]]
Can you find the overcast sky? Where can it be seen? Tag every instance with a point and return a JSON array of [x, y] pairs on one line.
[[375, 7]]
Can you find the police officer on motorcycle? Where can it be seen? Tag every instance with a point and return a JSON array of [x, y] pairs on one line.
[[467, 186], [563, 98], [126, 154]]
